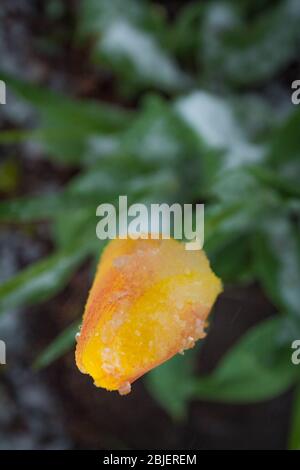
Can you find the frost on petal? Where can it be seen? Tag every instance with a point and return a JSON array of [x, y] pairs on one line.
[[150, 300]]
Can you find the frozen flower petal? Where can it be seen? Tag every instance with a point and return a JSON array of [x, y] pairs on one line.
[[150, 300]]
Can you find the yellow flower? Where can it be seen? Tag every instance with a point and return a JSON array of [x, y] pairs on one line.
[[150, 300]]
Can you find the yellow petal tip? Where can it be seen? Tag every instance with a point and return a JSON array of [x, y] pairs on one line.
[[149, 301]]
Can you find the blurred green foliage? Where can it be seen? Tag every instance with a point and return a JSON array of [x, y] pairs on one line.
[[207, 128]]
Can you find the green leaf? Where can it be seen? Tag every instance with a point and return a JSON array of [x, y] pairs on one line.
[[184, 36], [28, 209], [214, 122], [274, 180], [41, 280], [58, 347], [95, 14], [158, 135], [48, 206], [245, 52], [232, 260], [284, 156], [57, 108], [276, 252], [157, 144], [67, 124], [257, 368], [71, 225], [14, 136], [129, 43], [228, 226], [138, 57], [258, 115], [294, 437], [84, 193], [285, 146], [235, 184], [230, 222], [171, 383]]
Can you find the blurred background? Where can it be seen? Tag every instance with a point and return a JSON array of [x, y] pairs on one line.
[[186, 101]]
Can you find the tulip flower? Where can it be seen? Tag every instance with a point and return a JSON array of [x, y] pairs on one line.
[[150, 300]]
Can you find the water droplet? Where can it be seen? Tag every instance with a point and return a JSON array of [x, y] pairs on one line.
[[188, 343], [82, 369], [77, 336], [108, 368], [121, 261], [125, 388], [179, 305]]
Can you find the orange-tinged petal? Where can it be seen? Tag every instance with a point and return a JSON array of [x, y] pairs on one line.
[[150, 300]]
